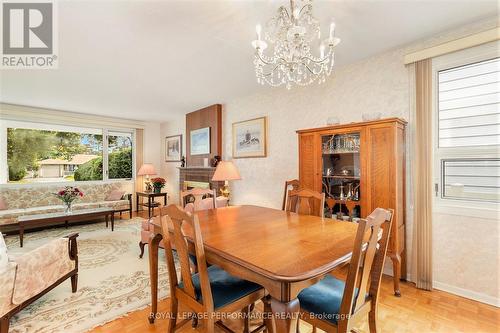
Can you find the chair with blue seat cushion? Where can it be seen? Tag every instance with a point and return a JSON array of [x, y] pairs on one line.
[[211, 291], [225, 288], [332, 304]]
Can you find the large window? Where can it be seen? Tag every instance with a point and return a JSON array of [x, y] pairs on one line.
[[468, 105], [51, 153]]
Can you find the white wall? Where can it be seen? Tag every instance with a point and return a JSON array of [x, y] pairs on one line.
[[378, 84]]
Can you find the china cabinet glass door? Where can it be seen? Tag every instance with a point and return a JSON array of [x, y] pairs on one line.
[[341, 175]]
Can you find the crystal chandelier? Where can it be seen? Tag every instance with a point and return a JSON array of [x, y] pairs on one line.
[[292, 32]]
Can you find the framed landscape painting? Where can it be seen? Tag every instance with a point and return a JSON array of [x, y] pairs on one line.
[[250, 138], [173, 148], [200, 141]]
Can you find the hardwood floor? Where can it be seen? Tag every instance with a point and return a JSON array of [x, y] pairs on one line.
[[417, 311]]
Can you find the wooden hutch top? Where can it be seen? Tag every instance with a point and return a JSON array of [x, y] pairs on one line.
[[354, 124]]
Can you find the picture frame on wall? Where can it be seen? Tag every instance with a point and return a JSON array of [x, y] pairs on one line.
[[250, 138], [173, 148], [200, 141]]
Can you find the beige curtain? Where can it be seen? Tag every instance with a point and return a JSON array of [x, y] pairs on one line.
[[139, 159], [422, 218]]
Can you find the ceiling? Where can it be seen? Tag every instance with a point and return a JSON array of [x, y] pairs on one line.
[[151, 60]]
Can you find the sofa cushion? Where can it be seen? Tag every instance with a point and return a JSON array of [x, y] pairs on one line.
[[43, 209], [115, 195], [86, 205], [11, 213], [3, 204], [114, 203]]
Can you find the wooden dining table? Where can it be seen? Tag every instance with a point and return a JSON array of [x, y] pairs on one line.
[[283, 252]]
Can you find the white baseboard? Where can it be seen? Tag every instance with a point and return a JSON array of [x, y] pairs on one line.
[[480, 297]]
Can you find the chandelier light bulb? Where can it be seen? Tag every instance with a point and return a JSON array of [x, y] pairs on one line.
[[322, 51]]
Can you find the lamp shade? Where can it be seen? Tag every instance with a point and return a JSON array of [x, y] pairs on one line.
[[147, 169], [226, 170]]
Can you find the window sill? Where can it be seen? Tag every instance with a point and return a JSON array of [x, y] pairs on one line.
[[73, 183], [485, 210]]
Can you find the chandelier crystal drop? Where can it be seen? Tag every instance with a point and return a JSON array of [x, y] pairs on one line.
[[293, 32]]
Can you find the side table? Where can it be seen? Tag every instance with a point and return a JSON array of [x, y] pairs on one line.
[[151, 200]]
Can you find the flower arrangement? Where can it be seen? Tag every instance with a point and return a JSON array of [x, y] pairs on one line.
[[158, 183], [68, 195]]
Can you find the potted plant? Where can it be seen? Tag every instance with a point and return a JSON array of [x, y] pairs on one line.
[[158, 184], [67, 195]]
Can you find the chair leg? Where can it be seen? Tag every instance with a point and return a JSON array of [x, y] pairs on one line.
[[120, 215], [194, 320], [74, 283], [172, 318], [372, 320], [210, 322], [141, 245], [4, 324]]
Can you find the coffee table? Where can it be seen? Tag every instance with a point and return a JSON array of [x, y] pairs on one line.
[[76, 215]]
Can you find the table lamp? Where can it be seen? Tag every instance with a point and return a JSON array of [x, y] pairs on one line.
[[226, 171], [147, 169]]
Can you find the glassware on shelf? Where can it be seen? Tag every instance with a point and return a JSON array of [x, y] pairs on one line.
[[342, 143]]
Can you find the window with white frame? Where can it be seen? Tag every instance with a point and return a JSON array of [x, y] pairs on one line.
[[40, 153], [468, 131]]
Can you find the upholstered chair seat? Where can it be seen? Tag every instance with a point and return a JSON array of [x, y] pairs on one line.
[[226, 288], [324, 298]]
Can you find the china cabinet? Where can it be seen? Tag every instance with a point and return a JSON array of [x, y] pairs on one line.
[[359, 167]]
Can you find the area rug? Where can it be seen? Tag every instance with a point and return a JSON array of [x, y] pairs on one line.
[[112, 280]]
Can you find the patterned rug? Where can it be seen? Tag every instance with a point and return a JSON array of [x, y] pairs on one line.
[[112, 280]]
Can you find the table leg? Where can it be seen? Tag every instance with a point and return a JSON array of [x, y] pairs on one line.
[[106, 218], [21, 234], [285, 315], [165, 200], [154, 241], [112, 221], [137, 203]]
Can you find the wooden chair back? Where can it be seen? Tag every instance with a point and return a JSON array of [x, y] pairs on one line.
[[367, 262], [292, 184], [198, 194], [177, 217], [306, 202]]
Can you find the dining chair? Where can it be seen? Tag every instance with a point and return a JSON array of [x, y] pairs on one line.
[[203, 199], [211, 292], [306, 202], [294, 184], [332, 304]]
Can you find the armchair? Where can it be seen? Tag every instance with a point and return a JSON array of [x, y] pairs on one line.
[[33, 274]]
